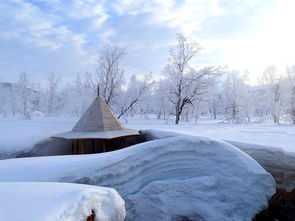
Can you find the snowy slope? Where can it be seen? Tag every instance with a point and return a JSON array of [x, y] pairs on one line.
[[32, 201], [174, 178]]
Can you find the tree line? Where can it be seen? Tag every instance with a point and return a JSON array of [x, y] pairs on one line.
[[182, 92]]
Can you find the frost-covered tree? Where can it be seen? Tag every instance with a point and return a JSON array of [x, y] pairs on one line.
[[159, 101], [259, 104], [109, 73], [185, 84], [177, 71], [4, 100], [53, 99], [271, 82], [136, 90], [235, 92], [25, 94], [215, 103], [77, 96], [291, 92]]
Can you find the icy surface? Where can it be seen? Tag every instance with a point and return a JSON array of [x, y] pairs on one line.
[[174, 178], [33, 201]]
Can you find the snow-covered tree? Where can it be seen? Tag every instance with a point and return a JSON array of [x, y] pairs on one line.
[[4, 100], [235, 92], [160, 103], [53, 99], [136, 90], [215, 103], [185, 84], [291, 92], [77, 96], [271, 82], [109, 73], [25, 94]]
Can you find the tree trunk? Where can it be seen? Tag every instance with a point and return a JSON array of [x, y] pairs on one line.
[[214, 113], [177, 111], [159, 115], [177, 118], [293, 116], [276, 119]]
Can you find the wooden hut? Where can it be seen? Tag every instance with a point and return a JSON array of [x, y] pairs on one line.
[[97, 126]]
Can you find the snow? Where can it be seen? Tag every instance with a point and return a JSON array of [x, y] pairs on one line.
[[35, 201], [21, 135], [182, 177], [267, 134], [101, 135], [276, 161]]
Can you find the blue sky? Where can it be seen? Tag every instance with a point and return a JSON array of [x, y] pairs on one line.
[[64, 37]]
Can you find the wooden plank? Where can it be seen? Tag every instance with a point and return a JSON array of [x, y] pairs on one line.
[[84, 147], [122, 142], [103, 146], [93, 146], [73, 146], [78, 147]]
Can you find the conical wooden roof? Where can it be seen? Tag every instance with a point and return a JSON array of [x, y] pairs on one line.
[[98, 118], [98, 122]]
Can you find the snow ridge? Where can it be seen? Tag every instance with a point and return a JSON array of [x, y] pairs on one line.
[[166, 179]]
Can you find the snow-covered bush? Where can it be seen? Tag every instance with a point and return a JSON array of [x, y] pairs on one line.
[[36, 115]]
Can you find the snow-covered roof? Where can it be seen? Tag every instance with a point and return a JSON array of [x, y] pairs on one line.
[[70, 135], [98, 122]]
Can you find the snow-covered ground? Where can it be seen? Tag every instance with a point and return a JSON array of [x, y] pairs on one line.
[[33, 201], [273, 146], [21, 135], [265, 134], [176, 178]]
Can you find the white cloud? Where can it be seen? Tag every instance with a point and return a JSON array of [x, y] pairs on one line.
[[186, 15], [30, 24], [239, 32]]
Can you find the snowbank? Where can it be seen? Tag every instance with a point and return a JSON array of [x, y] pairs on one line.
[[20, 137], [275, 160], [178, 178], [34, 201], [279, 163]]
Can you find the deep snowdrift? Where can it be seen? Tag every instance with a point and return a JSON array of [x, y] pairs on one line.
[[32, 201], [167, 179], [274, 160]]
